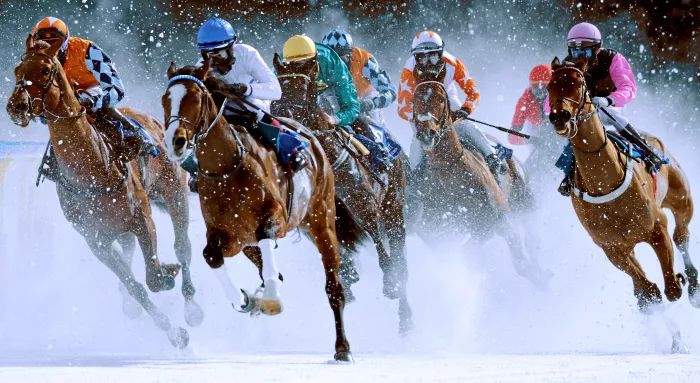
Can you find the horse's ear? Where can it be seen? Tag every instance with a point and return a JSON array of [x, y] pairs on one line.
[[277, 62], [556, 64], [202, 72], [171, 69], [54, 48], [29, 42]]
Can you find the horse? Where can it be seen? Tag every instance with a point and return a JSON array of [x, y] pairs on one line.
[[248, 199], [455, 192], [366, 205], [105, 200], [617, 200]]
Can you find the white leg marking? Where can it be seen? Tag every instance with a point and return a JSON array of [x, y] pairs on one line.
[[232, 292], [270, 272]]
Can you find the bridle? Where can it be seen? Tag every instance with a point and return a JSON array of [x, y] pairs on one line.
[[305, 109], [203, 121], [54, 79], [577, 117], [444, 112]]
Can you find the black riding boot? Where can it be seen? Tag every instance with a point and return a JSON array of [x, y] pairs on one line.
[[191, 165], [49, 167], [656, 158], [146, 145]]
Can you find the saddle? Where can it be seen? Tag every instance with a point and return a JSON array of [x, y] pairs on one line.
[[633, 151]]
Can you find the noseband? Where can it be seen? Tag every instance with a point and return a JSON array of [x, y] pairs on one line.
[[578, 117], [444, 113], [54, 78]]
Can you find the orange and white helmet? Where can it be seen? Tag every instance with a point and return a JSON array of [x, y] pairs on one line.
[[427, 41], [50, 29]]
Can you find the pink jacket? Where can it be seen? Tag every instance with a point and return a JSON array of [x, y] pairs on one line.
[[621, 74]]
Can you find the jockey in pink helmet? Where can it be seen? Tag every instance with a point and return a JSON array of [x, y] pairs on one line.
[[611, 84]]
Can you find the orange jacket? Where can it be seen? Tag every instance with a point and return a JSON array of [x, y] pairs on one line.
[[358, 61], [76, 69], [456, 74]]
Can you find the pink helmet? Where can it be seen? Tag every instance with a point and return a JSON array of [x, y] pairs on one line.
[[583, 34]]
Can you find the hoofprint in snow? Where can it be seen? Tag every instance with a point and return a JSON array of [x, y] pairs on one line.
[[369, 368]]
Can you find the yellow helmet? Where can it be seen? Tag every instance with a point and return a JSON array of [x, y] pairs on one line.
[[298, 48]]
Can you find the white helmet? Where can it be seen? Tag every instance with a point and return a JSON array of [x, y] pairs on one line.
[[427, 41]]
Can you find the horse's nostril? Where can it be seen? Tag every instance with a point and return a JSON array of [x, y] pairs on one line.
[[179, 142]]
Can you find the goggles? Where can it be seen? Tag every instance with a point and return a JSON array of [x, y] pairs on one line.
[[428, 57], [581, 52], [218, 53], [49, 34]]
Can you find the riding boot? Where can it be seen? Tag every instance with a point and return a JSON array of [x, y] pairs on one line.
[[656, 158], [566, 164], [191, 165], [291, 151], [146, 145], [49, 167], [362, 127]]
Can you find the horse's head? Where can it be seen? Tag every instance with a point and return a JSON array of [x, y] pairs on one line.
[[37, 87], [431, 107], [187, 105], [298, 82], [567, 95]]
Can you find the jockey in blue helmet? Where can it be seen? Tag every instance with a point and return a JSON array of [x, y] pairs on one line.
[[243, 74]]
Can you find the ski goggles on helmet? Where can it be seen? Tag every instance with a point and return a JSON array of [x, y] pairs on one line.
[[427, 57], [220, 53], [49, 34], [581, 52]]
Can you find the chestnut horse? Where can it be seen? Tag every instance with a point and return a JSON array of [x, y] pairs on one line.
[[617, 200], [106, 201], [365, 205], [456, 192], [245, 195]]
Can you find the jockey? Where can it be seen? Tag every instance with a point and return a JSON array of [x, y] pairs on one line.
[[374, 88], [610, 81], [246, 75], [530, 107], [332, 77], [429, 55], [96, 81]]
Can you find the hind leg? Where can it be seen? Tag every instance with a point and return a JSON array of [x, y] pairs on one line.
[[647, 293], [526, 267], [130, 307], [661, 242], [348, 273], [111, 258]]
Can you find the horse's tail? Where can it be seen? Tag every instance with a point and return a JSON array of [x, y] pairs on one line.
[[350, 234]]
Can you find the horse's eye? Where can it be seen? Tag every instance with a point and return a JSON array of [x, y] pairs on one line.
[[45, 71]]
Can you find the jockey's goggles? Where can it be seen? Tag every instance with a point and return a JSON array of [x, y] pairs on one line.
[[581, 52], [49, 34], [217, 53], [424, 58]]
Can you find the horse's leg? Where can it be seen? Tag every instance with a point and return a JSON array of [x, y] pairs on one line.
[[158, 277], [213, 253], [527, 268], [108, 255], [178, 209], [322, 230], [680, 202], [348, 273], [647, 293], [254, 254], [270, 302], [130, 307], [661, 242]]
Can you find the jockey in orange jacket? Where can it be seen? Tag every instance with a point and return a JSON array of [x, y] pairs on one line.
[[429, 55], [530, 107], [95, 80]]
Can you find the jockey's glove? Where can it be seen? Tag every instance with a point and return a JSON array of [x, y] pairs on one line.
[[89, 97], [517, 128], [603, 101], [238, 89], [366, 105], [333, 120], [462, 113]]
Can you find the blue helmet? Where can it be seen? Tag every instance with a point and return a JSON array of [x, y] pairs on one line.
[[215, 33]]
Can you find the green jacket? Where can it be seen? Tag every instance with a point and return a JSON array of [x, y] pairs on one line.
[[335, 74]]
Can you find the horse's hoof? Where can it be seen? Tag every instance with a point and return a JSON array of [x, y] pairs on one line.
[[678, 347], [674, 293], [391, 291], [270, 306], [648, 302], [344, 357], [178, 337], [349, 296], [406, 327], [194, 315]]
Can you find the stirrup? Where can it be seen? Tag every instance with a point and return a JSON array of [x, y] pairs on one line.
[[565, 187], [298, 161], [192, 183]]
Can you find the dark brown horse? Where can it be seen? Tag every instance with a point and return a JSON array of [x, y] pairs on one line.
[[104, 200], [617, 200], [365, 204], [245, 196], [458, 193]]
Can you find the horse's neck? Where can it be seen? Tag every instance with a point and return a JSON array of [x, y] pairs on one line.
[[449, 149], [598, 167], [218, 148], [77, 146]]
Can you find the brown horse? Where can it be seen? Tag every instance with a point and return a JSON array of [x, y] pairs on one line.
[[246, 199], [103, 199], [456, 192], [365, 204], [616, 199]]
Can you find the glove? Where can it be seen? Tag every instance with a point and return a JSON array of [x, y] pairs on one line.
[[88, 97], [333, 120], [462, 113], [238, 89], [602, 102], [366, 105]]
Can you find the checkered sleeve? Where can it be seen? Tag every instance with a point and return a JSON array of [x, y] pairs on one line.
[[381, 81], [103, 69]]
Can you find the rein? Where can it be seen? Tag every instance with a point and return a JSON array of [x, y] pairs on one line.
[[443, 113], [580, 104], [202, 127]]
